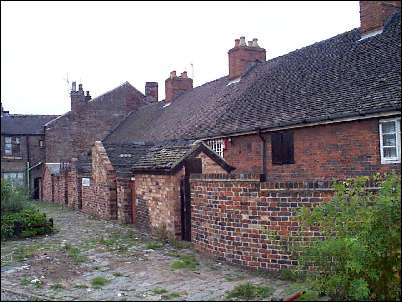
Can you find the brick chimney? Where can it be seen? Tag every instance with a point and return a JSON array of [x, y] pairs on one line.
[[78, 97], [151, 90], [175, 85], [373, 14], [241, 55]]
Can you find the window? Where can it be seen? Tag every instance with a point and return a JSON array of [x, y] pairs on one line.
[[282, 148], [12, 145], [390, 141], [16, 178], [217, 145]]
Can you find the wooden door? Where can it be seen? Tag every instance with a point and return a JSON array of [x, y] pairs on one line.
[[193, 165]]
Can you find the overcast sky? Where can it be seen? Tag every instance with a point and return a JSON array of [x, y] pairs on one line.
[[104, 44]]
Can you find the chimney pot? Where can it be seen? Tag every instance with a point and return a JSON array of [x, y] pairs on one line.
[[242, 41], [184, 75], [73, 86], [237, 42], [173, 74], [255, 44], [88, 96], [80, 87], [250, 43]]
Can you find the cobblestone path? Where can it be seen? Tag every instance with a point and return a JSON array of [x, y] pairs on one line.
[[91, 259]]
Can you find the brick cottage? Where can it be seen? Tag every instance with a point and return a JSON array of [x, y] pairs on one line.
[[217, 163]]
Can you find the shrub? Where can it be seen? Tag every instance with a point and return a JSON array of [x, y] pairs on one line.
[[249, 291], [359, 255], [13, 199], [26, 223]]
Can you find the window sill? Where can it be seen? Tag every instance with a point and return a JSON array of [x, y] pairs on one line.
[[11, 157], [391, 161]]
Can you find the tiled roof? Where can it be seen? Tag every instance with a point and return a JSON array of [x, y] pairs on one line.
[[336, 78], [24, 124], [165, 156]]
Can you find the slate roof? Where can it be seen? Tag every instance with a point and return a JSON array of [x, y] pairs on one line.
[[335, 78], [167, 156], [22, 124]]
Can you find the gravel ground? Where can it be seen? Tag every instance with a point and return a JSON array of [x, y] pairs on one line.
[[129, 265]]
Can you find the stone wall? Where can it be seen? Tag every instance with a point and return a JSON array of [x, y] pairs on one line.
[[325, 152], [230, 213]]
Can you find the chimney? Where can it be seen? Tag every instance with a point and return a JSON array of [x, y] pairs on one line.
[[78, 97], [175, 85], [373, 15], [151, 90], [242, 55]]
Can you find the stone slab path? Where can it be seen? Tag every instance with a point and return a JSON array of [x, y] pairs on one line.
[[127, 265]]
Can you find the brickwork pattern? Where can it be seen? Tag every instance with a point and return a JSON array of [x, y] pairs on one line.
[[334, 151], [230, 213], [124, 209]]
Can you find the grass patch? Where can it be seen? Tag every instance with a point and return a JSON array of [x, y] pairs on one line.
[[159, 291], [233, 277], [25, 281], [74, 253], [180, 244], [185, 262], [170, 296], [154, 245], [23, 253], [249, 291], [99, 281], [291, 275], [56, 286], [80, 286]]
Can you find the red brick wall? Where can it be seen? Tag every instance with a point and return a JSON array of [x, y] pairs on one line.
[[229, 214], [124, 207], [46, 185], [330, 151], [73, 186], [158, 202], [373, 14], [100, 198]]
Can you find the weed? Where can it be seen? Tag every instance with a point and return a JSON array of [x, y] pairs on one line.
[[99, 281], [159, 291], [25, 281], [74, 253], [170, 296], [80, 286], [185, 261], [179, 244], [56, 286], [154, 245], [117, 274], [22, 253], [249, 291]]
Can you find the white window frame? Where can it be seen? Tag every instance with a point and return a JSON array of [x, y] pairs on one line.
[[218, 145], [397, 158]]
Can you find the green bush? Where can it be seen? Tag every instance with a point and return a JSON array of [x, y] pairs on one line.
[[13, 199], [359, 254], [26, 223]]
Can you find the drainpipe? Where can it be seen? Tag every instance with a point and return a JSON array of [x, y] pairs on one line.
[[263, 175]]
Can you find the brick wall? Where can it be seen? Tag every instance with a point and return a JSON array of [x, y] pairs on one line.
[[58, 138], [337, 151], [47, 185], [100, 198], [209, 166], [158, 202], [124, 200], [229, 214], [73, 185]]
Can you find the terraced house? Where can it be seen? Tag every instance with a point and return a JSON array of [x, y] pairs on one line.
[[215, 163]]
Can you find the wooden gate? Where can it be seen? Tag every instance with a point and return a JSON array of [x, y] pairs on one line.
[[192, 165]]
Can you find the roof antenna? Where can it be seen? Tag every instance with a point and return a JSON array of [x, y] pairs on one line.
[[68, 83], [192, 70]]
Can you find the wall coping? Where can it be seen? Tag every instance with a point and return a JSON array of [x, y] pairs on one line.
[[312, 184]]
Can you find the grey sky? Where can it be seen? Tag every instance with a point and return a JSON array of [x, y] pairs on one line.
[[103, 44]]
